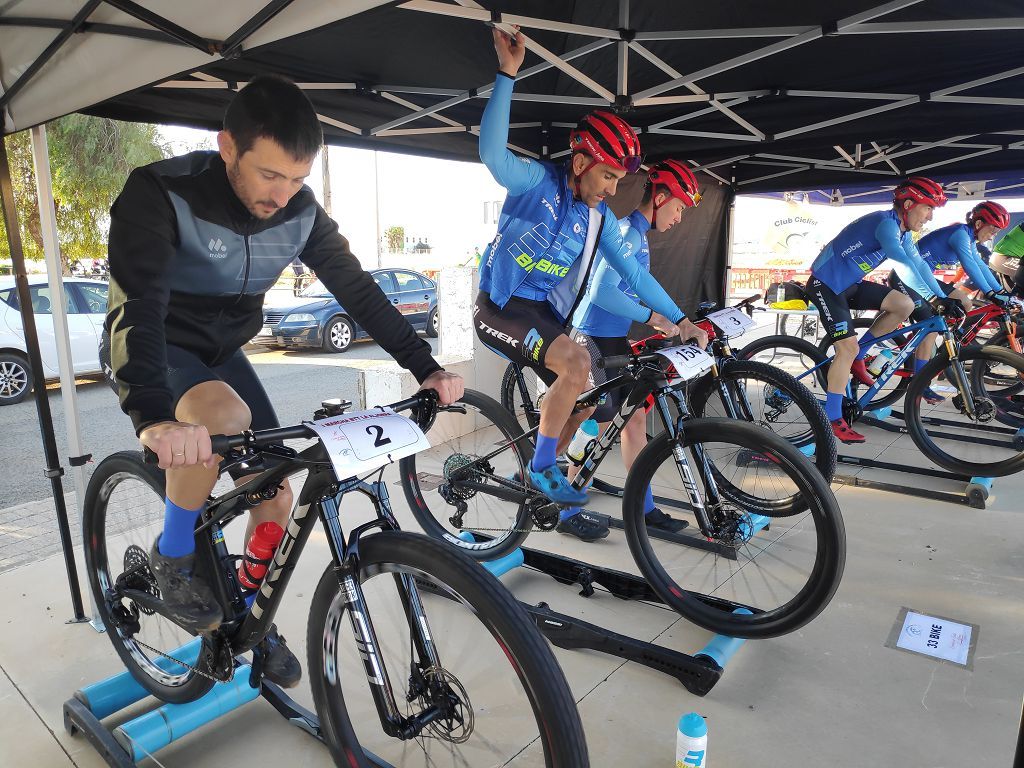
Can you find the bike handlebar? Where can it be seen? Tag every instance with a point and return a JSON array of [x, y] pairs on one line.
[[621, 361], [221, 444]]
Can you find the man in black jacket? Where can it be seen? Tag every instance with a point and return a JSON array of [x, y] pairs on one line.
[[195, 243]]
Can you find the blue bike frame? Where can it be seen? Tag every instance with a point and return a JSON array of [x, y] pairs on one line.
[[936, 324]]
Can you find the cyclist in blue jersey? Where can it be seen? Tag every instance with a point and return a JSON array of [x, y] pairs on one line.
[[535, 271], [837, 284], [605, 316], [959, 245]]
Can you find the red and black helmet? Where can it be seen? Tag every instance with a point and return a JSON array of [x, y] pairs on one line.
[[990, 213], [608, 139], [921, 191], [677, 179]]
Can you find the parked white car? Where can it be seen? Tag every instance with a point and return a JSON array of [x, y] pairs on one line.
[[86, 309]]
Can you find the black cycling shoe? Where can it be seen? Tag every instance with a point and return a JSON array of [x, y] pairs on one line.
[[583, 526], [187, 596], [279, 663], [661, 522]]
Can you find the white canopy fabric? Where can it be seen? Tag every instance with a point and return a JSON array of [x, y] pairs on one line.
[[109, 51]]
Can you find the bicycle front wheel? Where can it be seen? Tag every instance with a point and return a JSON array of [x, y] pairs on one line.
[[502, 696], [947, 432], [772, 399], [123, 515], [783, 569], [438, 488]]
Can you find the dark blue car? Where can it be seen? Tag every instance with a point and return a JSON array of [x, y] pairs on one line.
[[319, 321]]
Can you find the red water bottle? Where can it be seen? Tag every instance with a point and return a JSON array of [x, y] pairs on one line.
[[258, 553]]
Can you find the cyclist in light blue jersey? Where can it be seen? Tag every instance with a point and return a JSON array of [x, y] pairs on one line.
[[959, 245], [536, 269], [837, 284], [605, 316]]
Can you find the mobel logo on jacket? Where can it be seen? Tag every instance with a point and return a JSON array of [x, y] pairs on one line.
[[217, 248]]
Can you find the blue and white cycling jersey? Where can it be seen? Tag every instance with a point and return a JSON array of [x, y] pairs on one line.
[[610, 306], [947, 247], [542, 229], [864, 244]]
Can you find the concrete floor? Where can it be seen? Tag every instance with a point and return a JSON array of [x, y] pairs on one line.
[[830, 694]]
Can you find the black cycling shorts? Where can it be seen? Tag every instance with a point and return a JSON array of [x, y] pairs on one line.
[[834, 308], [185, 370], [522, 331], [922, 309], [606, 346]]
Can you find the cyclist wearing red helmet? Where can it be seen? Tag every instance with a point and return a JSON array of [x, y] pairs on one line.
[[960, 245], [604, 319], [535, 271], [837, 285]]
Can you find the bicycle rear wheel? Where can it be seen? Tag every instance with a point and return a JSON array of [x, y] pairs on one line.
[[123, 514], [896, 387], [773, 400], [520, 395], [435, 481], [502, 694], [999, 383], [790, 355], [785, 569], [961, 443]]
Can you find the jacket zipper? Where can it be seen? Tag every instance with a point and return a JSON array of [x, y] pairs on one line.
[[245, 275]]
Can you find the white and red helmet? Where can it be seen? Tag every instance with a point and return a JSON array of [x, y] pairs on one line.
[[608, 139], [990, 213], [921, 191], [676, 179]]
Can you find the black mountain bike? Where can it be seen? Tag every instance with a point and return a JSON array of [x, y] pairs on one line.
[[777, 533], [737, 389], [458, 673]]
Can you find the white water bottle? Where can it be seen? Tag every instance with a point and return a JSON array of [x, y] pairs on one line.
[[881, 360], [584, 436], [692, 742]]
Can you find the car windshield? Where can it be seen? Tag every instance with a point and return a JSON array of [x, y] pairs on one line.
[[316, 290]]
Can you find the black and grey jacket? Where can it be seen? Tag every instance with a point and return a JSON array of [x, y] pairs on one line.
[[189, 266]]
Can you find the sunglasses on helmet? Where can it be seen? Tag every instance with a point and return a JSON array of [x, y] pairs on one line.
[[632, 163]]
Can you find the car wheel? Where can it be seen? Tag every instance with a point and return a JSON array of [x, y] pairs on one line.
[[434, 323], [15, 379], [338, 335]]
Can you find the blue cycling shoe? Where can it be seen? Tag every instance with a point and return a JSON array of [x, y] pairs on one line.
[[552, 483]]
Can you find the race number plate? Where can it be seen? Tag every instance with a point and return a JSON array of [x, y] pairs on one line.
[[731, 322], [689, 360], [365, 440]]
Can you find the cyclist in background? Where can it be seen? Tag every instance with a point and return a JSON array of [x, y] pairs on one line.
[[837, 285], [604, 319], [535, 271], [959, 245]]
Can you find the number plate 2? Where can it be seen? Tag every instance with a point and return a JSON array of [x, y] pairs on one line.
[[365, 440]]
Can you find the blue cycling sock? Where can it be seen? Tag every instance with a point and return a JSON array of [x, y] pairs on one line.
[[865, 345], [178, 538], [568, 512], [918, 365], [648, 501], [833, 406], [544, 455]]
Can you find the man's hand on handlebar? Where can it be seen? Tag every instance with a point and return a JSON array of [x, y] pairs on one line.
[[688, 331], [449, 386], [999, 298], [177, 444]]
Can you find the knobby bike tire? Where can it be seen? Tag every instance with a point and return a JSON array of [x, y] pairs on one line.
[[113, 470], [498, 543], [1013, 389], [529, 655], [819, 435], [829, 555]]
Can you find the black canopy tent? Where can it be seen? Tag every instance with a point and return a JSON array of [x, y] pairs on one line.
[[766, 96]]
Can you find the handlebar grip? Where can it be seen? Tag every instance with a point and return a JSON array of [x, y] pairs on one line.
[[615, 361], [221, 444]]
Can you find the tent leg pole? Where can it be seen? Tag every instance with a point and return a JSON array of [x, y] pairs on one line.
[[53, 468]]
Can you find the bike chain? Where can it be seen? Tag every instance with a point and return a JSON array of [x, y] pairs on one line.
[[188, 666]]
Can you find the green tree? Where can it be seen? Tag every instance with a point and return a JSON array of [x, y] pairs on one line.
[[90, 159], [396, 238]]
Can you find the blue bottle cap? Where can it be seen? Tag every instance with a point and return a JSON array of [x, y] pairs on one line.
[[693, 725]]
